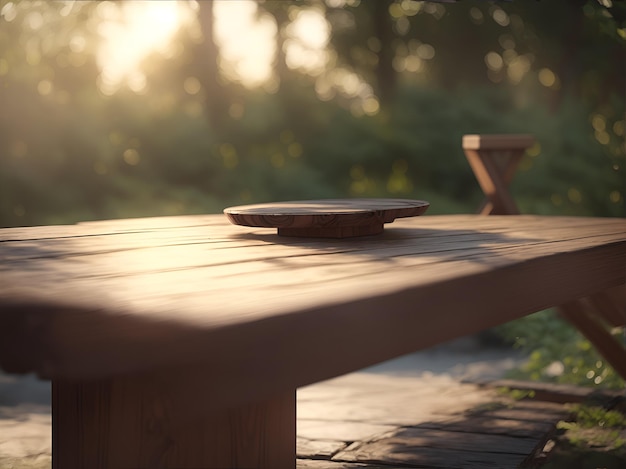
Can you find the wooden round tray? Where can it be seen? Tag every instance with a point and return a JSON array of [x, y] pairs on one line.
[[333, 218]]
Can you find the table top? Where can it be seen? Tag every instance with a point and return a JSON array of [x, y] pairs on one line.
[[101, 298]]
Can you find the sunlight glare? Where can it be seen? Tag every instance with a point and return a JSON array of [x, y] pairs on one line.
[[129, 35], [132, 30], [308, 38], [247, 43]]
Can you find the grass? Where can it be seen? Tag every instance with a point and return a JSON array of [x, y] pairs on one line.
[[594, 437]]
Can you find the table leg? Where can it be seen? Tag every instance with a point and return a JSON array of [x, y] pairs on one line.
[[126, 423]]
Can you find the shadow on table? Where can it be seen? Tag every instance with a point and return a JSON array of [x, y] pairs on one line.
[[482, 247]]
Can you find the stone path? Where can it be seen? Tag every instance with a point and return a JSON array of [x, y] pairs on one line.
[[373, 420], [421, 410]]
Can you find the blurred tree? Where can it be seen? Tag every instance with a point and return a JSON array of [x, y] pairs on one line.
[[399, 83], [206, 61]]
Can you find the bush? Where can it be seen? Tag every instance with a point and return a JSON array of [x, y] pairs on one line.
[[558, 352]]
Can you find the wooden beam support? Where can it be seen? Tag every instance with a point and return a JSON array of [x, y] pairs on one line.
[[610, 304], [612, 351]]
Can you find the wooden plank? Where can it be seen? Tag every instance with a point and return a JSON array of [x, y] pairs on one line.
[[108, 227], [153, 260], [111, 259], [442, 449], [129, 422], [224, 236]]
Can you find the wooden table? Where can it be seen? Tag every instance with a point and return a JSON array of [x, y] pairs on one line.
[[180, 342]]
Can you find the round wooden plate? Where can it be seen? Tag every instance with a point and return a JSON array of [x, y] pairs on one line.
[[332, 218]]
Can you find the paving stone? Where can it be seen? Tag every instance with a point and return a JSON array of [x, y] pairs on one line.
[[27, 430], [42, 461], [314, 464], [339, 431], [442, 449], [495, 426], [385, 400], [319, 449]]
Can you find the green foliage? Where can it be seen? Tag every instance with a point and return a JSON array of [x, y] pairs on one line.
[[587, 416], [558, 353], [592, 426], [69, 152], [516, 394], [592, 437]]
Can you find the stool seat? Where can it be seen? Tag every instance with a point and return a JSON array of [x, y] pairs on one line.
[[498, 142]]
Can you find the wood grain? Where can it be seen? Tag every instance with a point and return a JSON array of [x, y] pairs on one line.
[[611, 305], [330, 218], [128, 422]]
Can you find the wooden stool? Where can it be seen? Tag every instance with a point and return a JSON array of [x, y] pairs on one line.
[[494, 160]]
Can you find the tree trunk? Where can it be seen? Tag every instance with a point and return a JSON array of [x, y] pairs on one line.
[[385, 73], [207, 56], [281, 17]]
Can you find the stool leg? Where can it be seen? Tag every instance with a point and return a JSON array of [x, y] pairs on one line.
[[491, 182]]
